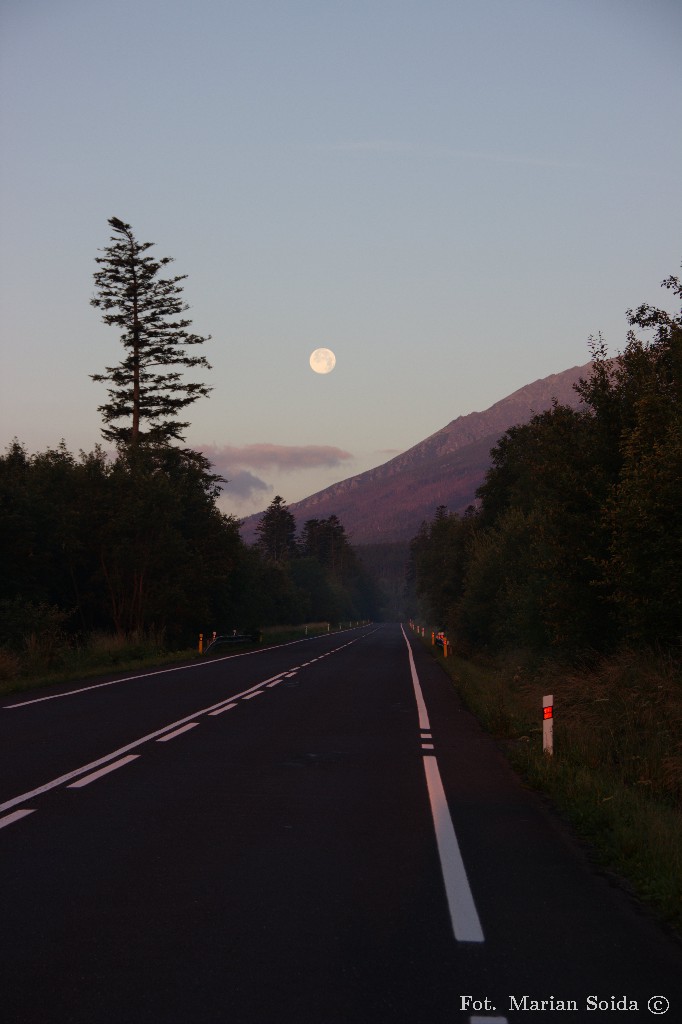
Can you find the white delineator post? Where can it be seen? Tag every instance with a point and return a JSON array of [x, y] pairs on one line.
[[548, 724]]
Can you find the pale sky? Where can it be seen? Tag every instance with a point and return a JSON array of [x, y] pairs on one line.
[[452, 195]]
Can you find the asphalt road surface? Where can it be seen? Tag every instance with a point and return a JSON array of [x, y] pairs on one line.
[[316, 833]]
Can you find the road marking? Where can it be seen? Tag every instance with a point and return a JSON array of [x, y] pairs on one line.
[[424, 724], [226, 707], [463, 914], [276, 683], [87, 779], [121, 750], [178, 732], [9, 819], [107, 758], [427, 746], [250, 696], [160, 672]]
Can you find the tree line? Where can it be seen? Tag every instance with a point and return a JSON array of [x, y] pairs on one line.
[[134, 540], [138, 543], [575, 543]]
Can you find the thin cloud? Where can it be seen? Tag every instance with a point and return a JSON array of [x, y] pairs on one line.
[[242, 485], [364, 146], [281, 457], [525, 159]]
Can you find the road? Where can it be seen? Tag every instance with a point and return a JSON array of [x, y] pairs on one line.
[[316, 833]]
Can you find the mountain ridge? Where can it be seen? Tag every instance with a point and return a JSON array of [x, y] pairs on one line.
[[388, 502]]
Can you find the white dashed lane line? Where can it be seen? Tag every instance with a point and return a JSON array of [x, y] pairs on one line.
[[154, 672], [178, 732], [227, 707], [9, 819], [113, 760], [83, 776], [87, 779]]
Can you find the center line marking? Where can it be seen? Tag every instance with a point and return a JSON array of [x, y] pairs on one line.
[[87, 779], [61, 780], [9, 819], [250, 696], [110, 758], [178, 732], [226, 707]]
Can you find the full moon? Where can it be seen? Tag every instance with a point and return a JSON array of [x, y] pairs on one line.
[[322, 360]]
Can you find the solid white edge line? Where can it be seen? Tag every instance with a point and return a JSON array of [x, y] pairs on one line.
[[424, 724], [463, 913], [103, 771], [9, 819], [178, 732]]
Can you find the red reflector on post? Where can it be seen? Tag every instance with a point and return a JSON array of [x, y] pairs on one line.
[[548, 724]]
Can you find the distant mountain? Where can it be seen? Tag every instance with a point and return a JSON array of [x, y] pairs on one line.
[[388, 503]]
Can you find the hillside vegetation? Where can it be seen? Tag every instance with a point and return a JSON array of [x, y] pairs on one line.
[[576, 545]]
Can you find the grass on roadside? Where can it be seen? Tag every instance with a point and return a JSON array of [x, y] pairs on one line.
[[616, 773], [40, 664], [47, 660]]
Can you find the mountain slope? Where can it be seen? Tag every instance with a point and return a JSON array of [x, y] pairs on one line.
[[388, 503]]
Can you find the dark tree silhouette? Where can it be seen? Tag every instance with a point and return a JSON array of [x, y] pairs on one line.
[[146, 391]]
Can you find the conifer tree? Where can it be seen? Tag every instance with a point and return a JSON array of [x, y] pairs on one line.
[[277, 532], [146, 390]]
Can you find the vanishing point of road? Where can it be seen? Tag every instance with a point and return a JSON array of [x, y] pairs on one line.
[[315, 833]]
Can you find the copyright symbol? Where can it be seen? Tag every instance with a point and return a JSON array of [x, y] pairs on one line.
[[658, 1004]]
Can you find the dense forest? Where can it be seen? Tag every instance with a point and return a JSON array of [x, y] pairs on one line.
[[138, 543], [575, 544]]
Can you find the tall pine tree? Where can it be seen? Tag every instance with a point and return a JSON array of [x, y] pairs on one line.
[[277, 532], [146, 390]]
